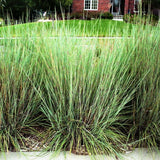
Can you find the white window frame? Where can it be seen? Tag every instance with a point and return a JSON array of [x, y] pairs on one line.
[[91, 6]]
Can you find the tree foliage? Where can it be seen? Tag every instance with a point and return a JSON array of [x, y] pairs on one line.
[[154, 3], [19, 7]]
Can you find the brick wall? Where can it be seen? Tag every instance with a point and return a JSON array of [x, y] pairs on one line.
[[78, 6], [131, 6], [126, 7], [103, 5]]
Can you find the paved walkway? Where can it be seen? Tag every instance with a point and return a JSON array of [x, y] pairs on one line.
[[137, 154]]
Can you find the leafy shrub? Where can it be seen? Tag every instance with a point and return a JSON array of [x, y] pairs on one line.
[[128, 18], [133, 18], [86, 15], [94, 15], [76, 15], [138, 19], [154, 19], [107, 15]]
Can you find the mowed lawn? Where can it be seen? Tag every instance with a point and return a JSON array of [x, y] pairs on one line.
[[100, 28]]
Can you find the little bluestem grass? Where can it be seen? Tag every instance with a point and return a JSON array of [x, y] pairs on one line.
[[89, 96]]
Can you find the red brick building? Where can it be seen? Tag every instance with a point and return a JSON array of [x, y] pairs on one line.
[[116, 7]]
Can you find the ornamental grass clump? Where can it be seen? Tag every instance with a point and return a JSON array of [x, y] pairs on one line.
[[93, 103], [85, 96], [19, 103], [146, 104]]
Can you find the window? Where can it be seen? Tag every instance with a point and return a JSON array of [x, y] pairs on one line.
[[136, 5], [91, 4]]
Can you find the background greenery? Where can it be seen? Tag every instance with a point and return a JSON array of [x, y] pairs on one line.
[[18, 9]]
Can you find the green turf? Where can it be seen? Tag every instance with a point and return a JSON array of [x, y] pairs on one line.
[[73, 27]]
